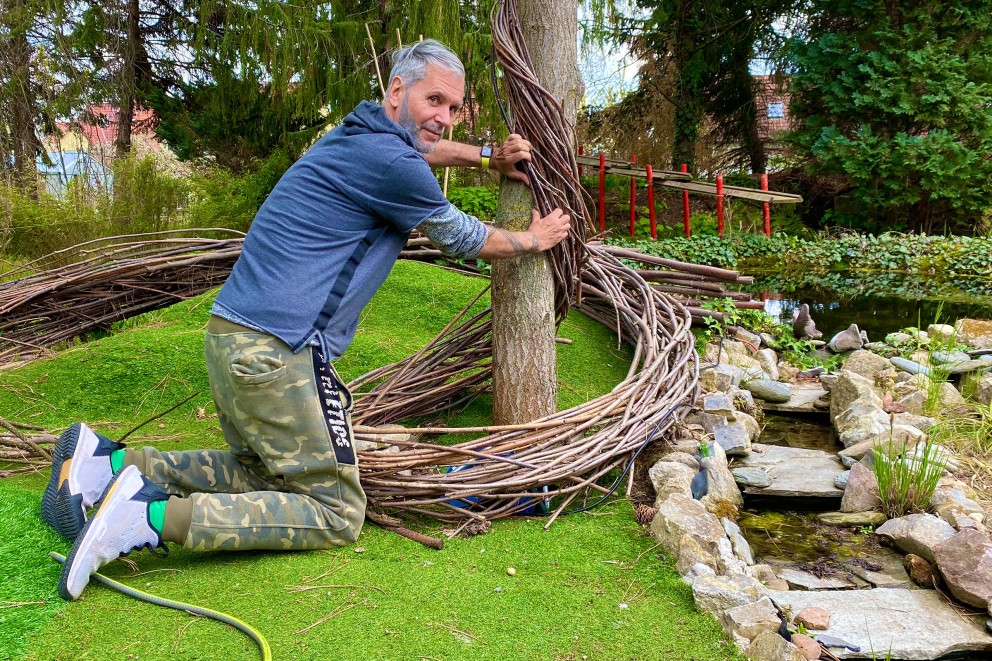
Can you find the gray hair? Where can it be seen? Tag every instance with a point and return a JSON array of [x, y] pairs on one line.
[[410, 62]]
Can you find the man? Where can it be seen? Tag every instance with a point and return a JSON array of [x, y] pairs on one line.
[[320, 246]]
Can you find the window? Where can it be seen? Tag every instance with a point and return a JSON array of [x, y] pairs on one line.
[[776, 110]]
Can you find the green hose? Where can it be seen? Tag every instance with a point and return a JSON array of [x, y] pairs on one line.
[[178, 605]]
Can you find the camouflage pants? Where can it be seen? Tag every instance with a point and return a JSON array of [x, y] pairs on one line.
[[290, 478]]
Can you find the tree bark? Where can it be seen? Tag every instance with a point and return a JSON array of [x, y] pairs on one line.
[[524, 373], [129, 78], [24, 140]]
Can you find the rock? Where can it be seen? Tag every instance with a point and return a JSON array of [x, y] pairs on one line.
[[669, 477], [809, 648], [685, 529], [846, 340], [734, 438], [811, 617], [801, 580], [983, 392], [794, 471], [719, 378], [921, 422], [952, 502], [718, 403], [763, 573], [861, 492], [769, 362], [803, 326], [740, 546], [903, 624], [743, 400], [751, 477], [722, 485], [865, 363], [768, 340], [965, 562], [932, 453], [949, 357], [900, 436], [976, 333], [750, 424], [914, 403], [942, 333], [968, 366], [768, 390], [916, 533], [900, 340], [770, 646], [777, 584], [751, 620], [805, 398], [852, 519], [747, 337], [921, 572], [863, 413], [683, 458], [841, 480], [880, 579], [847, 388], [715, 594], [827, 381], [909, 366]]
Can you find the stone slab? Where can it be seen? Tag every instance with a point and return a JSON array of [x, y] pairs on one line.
[[803, 400], [795, 472], [911, 624]]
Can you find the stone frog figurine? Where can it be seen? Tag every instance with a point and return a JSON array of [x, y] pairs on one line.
[[803, 326]]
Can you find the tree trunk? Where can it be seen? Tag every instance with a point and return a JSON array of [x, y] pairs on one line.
[[24, 140], [524, 374], [129, 78]]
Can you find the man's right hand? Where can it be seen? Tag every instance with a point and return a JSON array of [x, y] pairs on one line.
[[551, 229]]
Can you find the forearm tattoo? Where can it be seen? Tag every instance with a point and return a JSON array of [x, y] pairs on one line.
[[518, 248], [535, 245]]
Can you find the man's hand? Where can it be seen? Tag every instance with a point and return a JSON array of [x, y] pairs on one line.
[[543, 234], [514, 150], [550, 230]]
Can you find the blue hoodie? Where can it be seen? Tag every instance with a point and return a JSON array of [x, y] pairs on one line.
[[327, 236]]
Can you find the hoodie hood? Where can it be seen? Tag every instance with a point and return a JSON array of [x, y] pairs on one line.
[[370, 117]]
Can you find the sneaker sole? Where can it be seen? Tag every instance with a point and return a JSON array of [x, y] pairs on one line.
[[83, 543], [59, 508]]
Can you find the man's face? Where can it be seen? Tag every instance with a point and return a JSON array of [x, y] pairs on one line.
[[427, 108]]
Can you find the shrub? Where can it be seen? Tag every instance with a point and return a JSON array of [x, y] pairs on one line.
[[479, 201], [907, 479]]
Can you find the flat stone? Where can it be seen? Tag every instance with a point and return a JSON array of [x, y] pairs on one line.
[[900, 436], [909, 366], [968, 366], [718, 403], [908, 624], [803, 398], [802, 580], [852, 518], [949, 357], [768, 390], [751, 477], [715, 594], [794, 471], [879, 579]]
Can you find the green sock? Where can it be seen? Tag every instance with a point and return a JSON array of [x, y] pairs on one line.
[[116, 461], [156, 515]]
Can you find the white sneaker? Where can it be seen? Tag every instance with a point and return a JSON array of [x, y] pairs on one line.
[[80, 474], [119, 526]]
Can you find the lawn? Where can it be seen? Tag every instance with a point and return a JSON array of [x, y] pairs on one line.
[[593, 586]]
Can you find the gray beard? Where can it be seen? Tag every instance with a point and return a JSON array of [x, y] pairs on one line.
[[407, 121]]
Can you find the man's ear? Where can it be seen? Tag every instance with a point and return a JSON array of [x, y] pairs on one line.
[[394, 94]]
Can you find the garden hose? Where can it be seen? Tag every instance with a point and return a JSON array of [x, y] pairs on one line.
[[255, 635]]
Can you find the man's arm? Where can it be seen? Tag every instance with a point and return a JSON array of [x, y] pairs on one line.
[[448, 153], [543, 234]]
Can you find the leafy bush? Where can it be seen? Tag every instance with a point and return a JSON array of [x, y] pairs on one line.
[[479, 201]]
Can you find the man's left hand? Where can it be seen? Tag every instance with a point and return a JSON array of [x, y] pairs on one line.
[[514, 150]]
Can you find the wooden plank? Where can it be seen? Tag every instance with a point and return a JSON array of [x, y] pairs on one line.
[[631, 169]]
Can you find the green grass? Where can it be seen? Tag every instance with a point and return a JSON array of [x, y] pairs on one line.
[[593, 586]]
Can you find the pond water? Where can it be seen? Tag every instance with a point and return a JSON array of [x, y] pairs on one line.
[[878, 303]]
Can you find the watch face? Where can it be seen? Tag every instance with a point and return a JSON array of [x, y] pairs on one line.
[[487, 152]]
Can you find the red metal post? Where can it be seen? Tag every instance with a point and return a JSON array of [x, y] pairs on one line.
[[765, 207], [602, 192], [685, 205], [719, 205], [633, 198], [581, 151], [654, 225]]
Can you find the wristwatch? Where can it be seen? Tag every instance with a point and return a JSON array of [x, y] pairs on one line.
[[486, 154]]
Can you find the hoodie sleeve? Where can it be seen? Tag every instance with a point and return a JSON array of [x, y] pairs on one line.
[[405, 192]]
